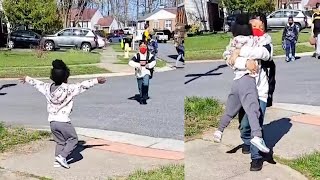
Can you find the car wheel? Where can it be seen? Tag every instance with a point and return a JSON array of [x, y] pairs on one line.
[[86, 47], [165, 41], [298, 27], [10, 44], [49, 46]]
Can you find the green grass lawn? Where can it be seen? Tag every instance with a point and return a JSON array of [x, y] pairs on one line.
[[212, 46], [122, 60], [29, 59], [172, 172], [10, 137], [307, 165], [201, 114], [16, 64]]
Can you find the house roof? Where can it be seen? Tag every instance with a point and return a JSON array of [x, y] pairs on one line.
[[105, 21], [171, 10], [87, 15]]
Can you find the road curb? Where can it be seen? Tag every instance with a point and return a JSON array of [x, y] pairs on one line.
[[128, 138], [222, 60], [300, 108]]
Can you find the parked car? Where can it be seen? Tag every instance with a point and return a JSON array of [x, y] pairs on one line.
[[82, 38], [118, 32], [101, 41], [128, 30], [23, 39], [161, 37], [168, 33], [279, 18], [309, 14], [115, 38], [229, 21]]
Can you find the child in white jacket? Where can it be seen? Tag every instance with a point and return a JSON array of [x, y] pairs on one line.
[[59, 97], [144, 63]]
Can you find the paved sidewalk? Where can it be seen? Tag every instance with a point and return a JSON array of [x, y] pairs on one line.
[[92, 161], [290, 135]]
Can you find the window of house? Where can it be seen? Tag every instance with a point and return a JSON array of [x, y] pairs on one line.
[[168, 24], [85, 24], [156, 24]]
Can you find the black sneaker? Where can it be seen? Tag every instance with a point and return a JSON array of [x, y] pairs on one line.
[[143, 102], [318, 57], [314, 55], [256, 165], [245, 149]]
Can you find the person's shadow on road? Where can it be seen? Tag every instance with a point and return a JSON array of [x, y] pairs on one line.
[[6, 86], [209, 73], [272, 134], [76, 155]]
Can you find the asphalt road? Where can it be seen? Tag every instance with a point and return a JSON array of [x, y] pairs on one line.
[[167, 52], [107, 106], [297, 82]]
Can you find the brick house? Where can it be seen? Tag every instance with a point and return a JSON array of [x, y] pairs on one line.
[[161, 19]]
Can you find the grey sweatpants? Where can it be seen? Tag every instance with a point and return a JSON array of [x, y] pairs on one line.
[[65, 136], [244, 94]]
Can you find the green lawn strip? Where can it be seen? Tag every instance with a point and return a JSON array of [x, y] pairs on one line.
[[30, 59], [171, 172], [212, 46], [122, 60], [217, 54], [201, 114], [10, 137], [16, 72], [308, 165]]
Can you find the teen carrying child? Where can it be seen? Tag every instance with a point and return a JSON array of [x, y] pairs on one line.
[[60, 95], [244, 92], [144, 63], [289, 39]]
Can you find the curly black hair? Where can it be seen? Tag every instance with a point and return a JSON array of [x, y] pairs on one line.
[[242, 26], [60, 72]]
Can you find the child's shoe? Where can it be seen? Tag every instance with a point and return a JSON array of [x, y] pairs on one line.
[[56, 164], [62, 161], [217, 136], [287, 59], [259, 143], [293, 58]]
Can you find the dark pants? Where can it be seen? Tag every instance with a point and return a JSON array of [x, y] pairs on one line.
[[245, 129], [65, 136], [143, 85], [290, 48]]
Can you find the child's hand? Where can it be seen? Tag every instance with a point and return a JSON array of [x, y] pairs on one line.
[[101, 80], [251, 66], [142, 63], [23, 79]]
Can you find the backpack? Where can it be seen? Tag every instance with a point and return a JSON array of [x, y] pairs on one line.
[[152, 69], [270, 69]]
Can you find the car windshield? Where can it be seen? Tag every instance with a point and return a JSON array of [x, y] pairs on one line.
[[308, 13]]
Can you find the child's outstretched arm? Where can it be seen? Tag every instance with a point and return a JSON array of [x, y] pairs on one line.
[[79, 88], [39, 85]]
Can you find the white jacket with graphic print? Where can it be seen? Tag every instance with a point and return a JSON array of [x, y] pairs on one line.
[[60, 101], [141, 71]]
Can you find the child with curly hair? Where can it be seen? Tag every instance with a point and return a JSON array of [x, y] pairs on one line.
[[60, 95]]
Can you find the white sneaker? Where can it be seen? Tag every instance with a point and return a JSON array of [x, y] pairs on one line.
[[259, 143], [56, 164], [217, 136], [62, 161]]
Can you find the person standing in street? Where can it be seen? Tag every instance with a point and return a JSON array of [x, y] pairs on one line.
[[289, 39], [316, 29]]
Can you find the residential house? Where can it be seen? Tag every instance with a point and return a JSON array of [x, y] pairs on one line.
[[161, 19], [92, 18], [290, 4], [205, 13]]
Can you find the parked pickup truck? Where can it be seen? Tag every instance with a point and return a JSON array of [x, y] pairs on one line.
[[161, 37]]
